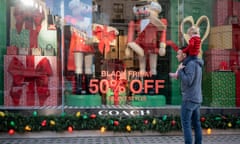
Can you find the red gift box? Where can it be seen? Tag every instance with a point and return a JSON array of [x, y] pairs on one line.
[[234, 60], [226, 12], [220, 12], [30, 81], [215, 59], [12, 50]]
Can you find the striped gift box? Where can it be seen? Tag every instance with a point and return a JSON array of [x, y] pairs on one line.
[[220, 12], [225, 37], [223, 10], [53, 100]]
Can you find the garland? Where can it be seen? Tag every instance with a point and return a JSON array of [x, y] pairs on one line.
[[15, 122]]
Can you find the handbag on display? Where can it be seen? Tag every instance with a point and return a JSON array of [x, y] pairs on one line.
[[36, 51], [12, 50], [23, 51], [49, 50]]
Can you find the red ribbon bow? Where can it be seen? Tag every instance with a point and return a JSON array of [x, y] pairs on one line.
[[31, 18], [29, 76], [104, 37]]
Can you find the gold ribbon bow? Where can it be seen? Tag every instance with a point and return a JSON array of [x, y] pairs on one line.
[[200, 20]]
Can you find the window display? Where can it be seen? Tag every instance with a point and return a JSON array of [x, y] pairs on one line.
[[116, 53]]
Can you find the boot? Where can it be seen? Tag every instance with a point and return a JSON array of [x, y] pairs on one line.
[[88, 78], [78, 80]]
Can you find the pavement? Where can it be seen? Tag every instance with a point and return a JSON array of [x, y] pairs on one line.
[[96, 137]]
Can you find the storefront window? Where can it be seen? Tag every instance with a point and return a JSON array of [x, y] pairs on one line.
[[99, 53]]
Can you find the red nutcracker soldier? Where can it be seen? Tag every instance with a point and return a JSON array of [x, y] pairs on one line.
[[151, 36]]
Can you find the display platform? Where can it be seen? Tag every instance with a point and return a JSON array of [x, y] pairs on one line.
[[83, 100], [149, 100]]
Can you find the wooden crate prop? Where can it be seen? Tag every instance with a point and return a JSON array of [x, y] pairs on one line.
[[219, 89], [225, 37], [17, 86], [214, 57], [113, 53], [122, 43], [148, 100]]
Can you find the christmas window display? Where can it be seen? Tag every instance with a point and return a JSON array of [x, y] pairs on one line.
[[116, 56], [123, 62]]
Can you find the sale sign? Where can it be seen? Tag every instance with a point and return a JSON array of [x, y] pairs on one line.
[[119, 80]]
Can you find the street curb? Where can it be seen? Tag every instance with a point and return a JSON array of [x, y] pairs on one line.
[[97, 133]]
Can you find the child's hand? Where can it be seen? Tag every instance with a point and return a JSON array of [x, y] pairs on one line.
[[180, 66], [173, 75]]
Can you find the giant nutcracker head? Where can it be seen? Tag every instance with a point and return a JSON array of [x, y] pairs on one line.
[[145, 9]]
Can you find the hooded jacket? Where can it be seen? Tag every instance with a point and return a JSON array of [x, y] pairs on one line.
[[191, 81]]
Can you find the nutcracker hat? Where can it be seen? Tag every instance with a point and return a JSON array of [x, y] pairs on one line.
[[155, 6]]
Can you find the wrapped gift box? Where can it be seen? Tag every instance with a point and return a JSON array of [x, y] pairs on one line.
[[12, 50], [25, 79], [214, 57], [234, 61], [220, 12], [223, 11], [238, 89], [20, 40], [225, 37], [219, 89]]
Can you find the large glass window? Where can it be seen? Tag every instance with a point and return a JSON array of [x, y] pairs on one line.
[[101, 53]]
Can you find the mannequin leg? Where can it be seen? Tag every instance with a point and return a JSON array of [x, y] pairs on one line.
[[78, 58], [142, 69], [153, 63], [88, 71], [153, 71]]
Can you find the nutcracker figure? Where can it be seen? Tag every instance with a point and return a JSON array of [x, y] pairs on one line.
[[151, 36]]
